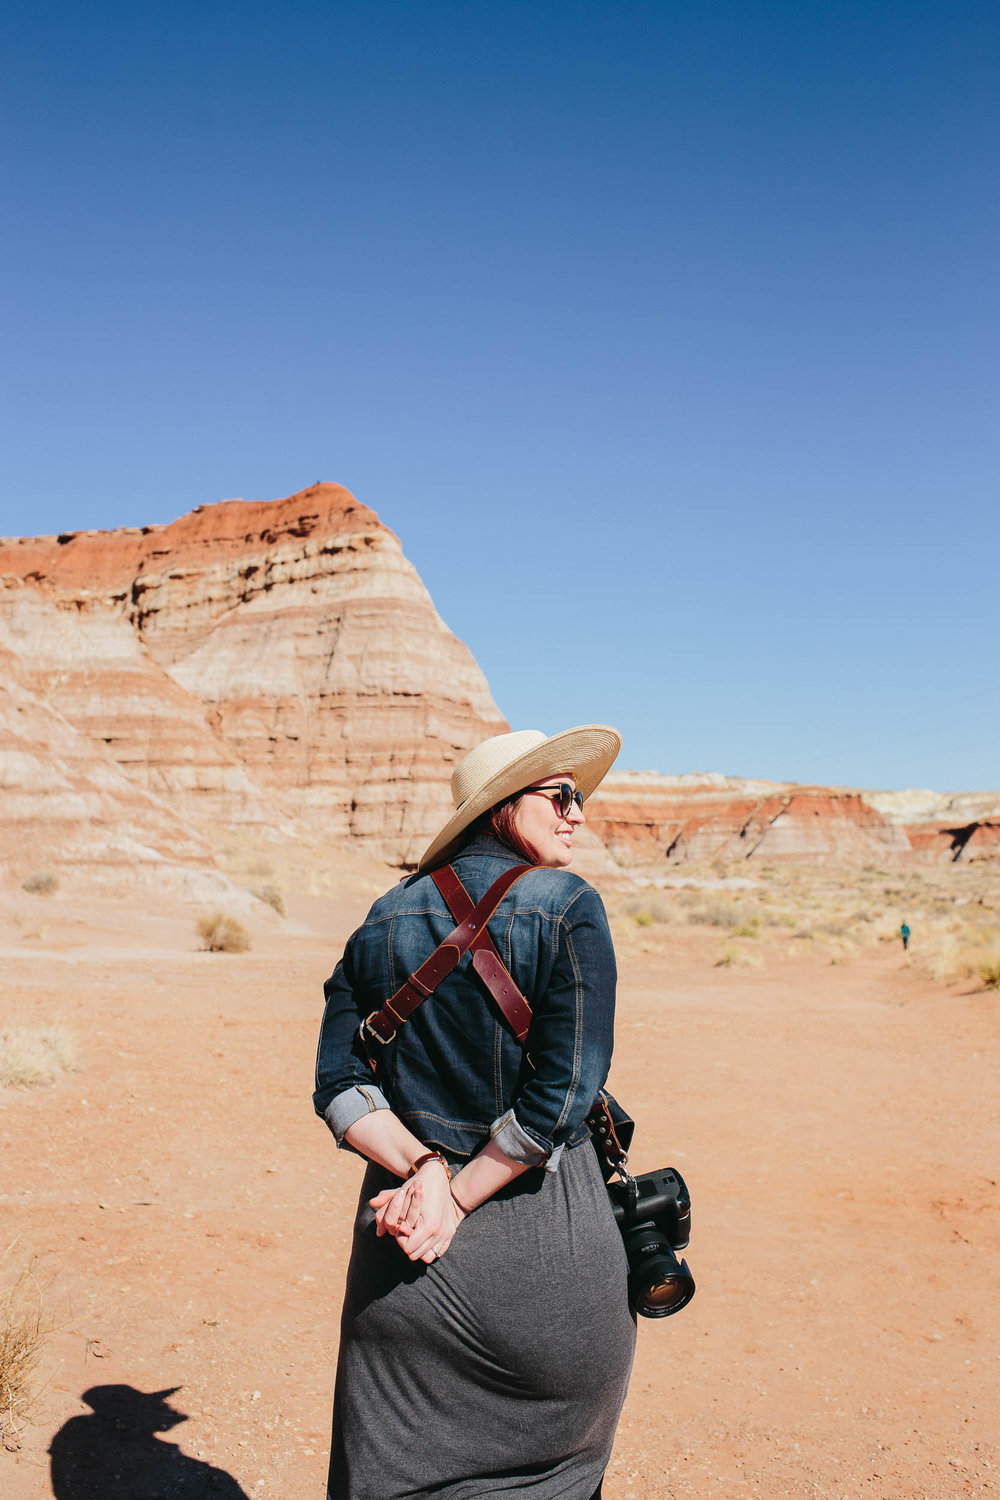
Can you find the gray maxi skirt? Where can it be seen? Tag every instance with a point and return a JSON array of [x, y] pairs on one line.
[[500, 1369]]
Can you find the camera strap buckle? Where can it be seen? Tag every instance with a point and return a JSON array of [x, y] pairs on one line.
[[631, 1188]]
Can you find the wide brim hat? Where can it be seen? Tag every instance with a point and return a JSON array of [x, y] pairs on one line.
[[507, 763], [143, 1408]]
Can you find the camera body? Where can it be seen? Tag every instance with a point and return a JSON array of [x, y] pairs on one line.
[[653, 1213]]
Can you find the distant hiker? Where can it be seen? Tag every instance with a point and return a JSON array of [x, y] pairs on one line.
[[904, 933]]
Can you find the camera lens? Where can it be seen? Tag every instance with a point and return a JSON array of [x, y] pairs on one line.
[[664, 1297], [658, 1284]]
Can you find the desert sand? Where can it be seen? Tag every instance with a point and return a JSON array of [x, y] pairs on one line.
[[191, 1217]]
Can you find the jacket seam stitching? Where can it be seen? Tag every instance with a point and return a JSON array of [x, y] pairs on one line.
[[426, 1114], [574, 1084]]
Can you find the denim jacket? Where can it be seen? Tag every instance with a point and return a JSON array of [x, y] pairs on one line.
[[455, 1073]]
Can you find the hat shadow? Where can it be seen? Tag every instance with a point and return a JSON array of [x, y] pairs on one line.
[[115, 1454]]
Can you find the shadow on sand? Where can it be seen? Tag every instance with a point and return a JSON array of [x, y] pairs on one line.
[[116, 1455]]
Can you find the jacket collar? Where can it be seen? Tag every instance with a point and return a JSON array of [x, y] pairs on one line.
[[489, 846]]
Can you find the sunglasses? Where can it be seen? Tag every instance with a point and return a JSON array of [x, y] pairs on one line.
[[563, 796]]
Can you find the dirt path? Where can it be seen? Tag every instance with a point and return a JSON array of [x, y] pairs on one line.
[[836, 1124]]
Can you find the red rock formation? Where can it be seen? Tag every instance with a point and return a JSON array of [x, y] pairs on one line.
[[645, 819], [280, 665], [974, 841], [66, 802], [88, 661], [266, 662], [983, 842], [945, 826]]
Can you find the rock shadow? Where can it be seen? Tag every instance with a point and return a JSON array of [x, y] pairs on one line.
[[116, 1454]]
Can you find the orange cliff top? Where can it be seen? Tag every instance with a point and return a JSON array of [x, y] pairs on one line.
[[109, 560]]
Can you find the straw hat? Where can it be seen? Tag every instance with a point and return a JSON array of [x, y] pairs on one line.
[[143, 1411], [508, 763]]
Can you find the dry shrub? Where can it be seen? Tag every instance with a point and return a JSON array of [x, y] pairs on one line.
[[743, 918], [24, 1329], [222, 934], [940, 955], [988, 970], [731, 957], [841, 948], [832, 911], [271, 896], [651, 908], [41, 883], [709, 911], [950, 955], [33, 1055]]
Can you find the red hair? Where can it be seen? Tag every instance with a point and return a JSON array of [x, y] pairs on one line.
[[501, 821]]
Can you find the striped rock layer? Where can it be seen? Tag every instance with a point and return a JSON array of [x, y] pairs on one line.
[[646, 819], [274, 665], [278, 667]]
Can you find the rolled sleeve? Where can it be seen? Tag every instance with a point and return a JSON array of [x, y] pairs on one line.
[[345, 1109], [516, 1143]]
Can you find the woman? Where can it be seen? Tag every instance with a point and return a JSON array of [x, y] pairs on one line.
[[486, 1340]]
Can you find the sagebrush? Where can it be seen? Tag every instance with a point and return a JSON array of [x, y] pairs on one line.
[[730, 956], [24, 1329], [34, 1055], [220, 933], [988, 970], [271, 895]]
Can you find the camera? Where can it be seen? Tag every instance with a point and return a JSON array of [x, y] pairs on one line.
[[653, 1213]]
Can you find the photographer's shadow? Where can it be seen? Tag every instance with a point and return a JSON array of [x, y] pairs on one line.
[[116, 1455]]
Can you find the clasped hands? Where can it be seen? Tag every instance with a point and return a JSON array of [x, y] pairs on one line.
[[420, 1214]]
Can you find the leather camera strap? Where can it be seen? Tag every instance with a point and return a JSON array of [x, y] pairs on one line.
[[471, 934], [383, 1024], [500, 982], [485, 959], [602, 1128]]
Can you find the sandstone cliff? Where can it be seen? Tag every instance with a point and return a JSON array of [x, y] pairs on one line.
[[65, 802], [961, 826], [279, 667], [645, 818], [273, 664]]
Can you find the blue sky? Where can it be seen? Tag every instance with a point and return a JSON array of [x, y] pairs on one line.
[[663, 334]]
